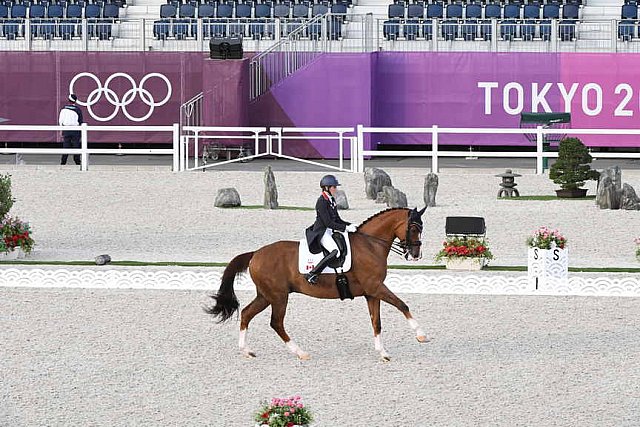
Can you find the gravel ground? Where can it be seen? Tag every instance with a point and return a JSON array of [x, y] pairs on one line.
[[106, 358], [156, 215]]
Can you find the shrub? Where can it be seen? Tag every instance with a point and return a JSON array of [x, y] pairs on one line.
[[15, 234], [572, 168], [6, 201]]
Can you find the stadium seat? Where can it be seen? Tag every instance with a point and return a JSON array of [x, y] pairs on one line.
[[391, 27], [491, 11], [509, 26], [434, 10], [14, 27], [531, 18], [626, 26], [37, 14], [549, 12], [182, 25], [162, 27], [415, 14], [473, 13], [450, 25], [262, 26], [70, 27]]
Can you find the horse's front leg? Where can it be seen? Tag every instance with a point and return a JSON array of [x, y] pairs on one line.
[[278, 311], [389, 297], [374, 313]]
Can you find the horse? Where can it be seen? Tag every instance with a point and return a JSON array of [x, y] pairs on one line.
[[274, 271]]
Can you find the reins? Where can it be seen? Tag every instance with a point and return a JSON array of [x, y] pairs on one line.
[[396, 247]]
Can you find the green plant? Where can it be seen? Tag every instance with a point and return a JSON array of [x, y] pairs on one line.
[[16, 233], [6, 201], [283, 413], [546, 238], [464, 247], [572, 168], [637, 241]]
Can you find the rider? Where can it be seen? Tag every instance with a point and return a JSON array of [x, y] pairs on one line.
[[320, 234]]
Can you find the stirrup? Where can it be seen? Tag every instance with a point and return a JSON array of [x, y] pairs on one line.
[[311, 278]]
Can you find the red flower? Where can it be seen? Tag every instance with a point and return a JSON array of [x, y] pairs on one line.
[[290, 424], [265, 415]]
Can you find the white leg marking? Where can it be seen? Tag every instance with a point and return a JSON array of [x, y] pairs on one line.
[[293, 348], [242, 343], [419, 332], [377, 343]]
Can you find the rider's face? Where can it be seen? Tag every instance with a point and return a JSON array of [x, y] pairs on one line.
[[333, 190]]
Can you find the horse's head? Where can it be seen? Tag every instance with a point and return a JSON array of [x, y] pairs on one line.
[[410, 242]]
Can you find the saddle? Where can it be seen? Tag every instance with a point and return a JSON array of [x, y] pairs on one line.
[[307, 261]]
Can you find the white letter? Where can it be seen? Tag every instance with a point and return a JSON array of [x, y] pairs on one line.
[[505, 98], [620, 110], [567, 96], [537, 98], [487, 86], [585, 101]]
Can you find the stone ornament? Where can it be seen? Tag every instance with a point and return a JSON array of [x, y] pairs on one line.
[[374, 180], [270, 189], [430, 189], [227, 198]]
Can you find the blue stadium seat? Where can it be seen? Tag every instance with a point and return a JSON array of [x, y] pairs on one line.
[[627, 25], [282, 10], [14, 27], [570, 11], [473, 13], [396, 11], [415, 14], [224, 10], [263, 25], [549, 12], [243, 10], [491, 11], [70, 27], [186, 18], [567, 26], [509, 26], [111, 10], [450, 25], [531, 17], [161, 27], [434, 10], [301, 11]]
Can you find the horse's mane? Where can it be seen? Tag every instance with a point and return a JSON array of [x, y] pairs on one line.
[[380, 213]]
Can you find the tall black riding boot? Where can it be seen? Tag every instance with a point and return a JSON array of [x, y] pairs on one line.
[[312, 276]]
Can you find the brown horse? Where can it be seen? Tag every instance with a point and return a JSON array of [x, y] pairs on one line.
[[274, 270]]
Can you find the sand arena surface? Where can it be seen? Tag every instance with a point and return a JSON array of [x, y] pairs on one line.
[[163, 216]]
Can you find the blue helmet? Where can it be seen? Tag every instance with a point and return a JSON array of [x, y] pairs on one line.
[[328, 181]]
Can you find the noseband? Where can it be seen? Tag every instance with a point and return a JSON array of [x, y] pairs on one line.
[[404, 246]]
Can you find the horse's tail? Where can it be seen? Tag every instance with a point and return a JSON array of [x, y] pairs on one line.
[[226, 300]]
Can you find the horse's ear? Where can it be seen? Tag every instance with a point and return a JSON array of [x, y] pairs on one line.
[[420, 212]]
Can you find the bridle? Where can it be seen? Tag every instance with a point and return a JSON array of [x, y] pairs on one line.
[[403, 247]]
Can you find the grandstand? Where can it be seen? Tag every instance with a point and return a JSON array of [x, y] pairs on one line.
[[365, 25]]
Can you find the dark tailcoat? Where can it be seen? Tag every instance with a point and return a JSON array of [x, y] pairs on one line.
[[326, 217]]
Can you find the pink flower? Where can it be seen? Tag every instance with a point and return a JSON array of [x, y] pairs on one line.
[[286, 414]]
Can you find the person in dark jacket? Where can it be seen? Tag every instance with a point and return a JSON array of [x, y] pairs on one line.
[[70, 115], [320, 234]]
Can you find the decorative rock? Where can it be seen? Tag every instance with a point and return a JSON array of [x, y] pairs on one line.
[[430, 189], [609, 188], [103, 259], [227, 198], [394, 198], [374, 180], [270, 189], [629, 199], [341, 200]]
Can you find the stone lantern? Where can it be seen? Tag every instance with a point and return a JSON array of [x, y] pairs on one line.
[[508, 184]]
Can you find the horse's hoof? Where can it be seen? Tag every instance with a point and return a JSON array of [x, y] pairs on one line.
[[304, 356], [248, 354], [422, 338], [385, 358]]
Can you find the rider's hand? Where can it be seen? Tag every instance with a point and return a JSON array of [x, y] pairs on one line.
[[351, 228]]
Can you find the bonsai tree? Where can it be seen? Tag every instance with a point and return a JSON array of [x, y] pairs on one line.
[[572, 168]]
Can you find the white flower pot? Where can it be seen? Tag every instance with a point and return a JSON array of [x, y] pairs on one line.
[[11, 255], [466, 263], [548, 263]]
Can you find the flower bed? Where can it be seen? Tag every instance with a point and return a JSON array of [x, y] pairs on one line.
[[459, 248]]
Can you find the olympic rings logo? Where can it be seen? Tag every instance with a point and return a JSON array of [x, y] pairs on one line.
[[129, 96]]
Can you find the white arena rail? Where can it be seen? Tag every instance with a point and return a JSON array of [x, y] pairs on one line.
[[539, 154], [335, 136], [84, 149]]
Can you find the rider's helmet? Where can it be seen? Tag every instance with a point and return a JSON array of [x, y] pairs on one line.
[[328, 181]]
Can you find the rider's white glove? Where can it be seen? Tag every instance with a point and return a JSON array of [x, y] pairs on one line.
[[351, 228]]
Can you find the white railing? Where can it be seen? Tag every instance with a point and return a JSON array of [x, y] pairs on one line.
[[84, 151], [335, 135], [539, 154]]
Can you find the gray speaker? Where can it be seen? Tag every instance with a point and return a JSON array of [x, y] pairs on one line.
[[225, 48]]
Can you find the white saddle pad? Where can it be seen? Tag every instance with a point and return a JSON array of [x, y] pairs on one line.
[[307, 260]]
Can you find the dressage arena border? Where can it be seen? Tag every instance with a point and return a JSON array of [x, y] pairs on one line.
[[481, 283]]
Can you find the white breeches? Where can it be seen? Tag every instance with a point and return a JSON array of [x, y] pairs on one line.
[[328, 243]]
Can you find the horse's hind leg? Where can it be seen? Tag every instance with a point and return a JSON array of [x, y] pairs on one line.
[[389, 297], [374, 313], [258, 304], [278, 311]]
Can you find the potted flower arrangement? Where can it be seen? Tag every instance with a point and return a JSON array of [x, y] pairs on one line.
[[548, 255], [572, 169], [287, 412], [15, 235], [464, 253]]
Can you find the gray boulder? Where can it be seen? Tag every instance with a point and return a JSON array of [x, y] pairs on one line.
[[374, 180], [608, 196], [615, 174], [393, 197], [629, 199], [341, 200], [430, 189], [227, 198], [270, 189]]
